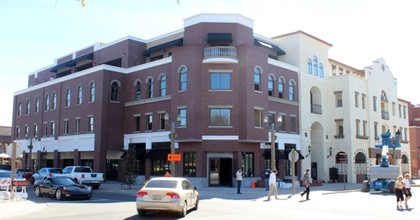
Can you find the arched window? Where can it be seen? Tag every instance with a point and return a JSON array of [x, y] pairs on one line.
[[183, 79], [270, 85], [92, 92], [114, 91], [47, 102], [309, 66], [315, 66], [150, 88], [68, 97], [54, 101], [19, 109], [138, 91], [257, 79], [281, 88], [79, 94], [162, 85], [291, 91], [36, 104], [321, 70], [28, 107]]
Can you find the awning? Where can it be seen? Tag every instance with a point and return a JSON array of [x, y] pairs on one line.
[[269, 46], [267, 154], [73, 62], [158, 153], [178, 42], [219, 37]]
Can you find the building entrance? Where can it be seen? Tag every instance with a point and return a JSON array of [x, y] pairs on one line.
[[220, 172]]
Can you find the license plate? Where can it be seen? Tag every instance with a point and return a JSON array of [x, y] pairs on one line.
[[156, 197]]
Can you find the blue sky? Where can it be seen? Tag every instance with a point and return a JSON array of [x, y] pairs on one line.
[[33, 33]]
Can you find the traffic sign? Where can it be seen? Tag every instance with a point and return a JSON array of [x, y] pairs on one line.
[[174, 157], [293, 156]]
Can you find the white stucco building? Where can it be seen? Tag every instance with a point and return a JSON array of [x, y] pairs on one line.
[[344, 111]]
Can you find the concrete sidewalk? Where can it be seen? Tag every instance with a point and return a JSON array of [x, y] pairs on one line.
[[21, 207]]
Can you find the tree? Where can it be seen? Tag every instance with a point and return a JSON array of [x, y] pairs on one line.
[[130, 162]]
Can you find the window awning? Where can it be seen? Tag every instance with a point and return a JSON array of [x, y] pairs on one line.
[[73, 62], [219, 37], [267, 154], [269, 46], [178, 42], [158, 154]]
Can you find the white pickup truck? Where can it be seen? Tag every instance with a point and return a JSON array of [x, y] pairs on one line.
[[83, 175]]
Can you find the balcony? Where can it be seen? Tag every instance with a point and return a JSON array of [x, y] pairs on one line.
[[220, 54]]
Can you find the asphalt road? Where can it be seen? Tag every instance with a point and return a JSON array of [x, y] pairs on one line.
[[224, 203]]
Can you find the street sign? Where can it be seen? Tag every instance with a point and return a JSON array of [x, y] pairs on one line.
[[174, 157], [295, 157]]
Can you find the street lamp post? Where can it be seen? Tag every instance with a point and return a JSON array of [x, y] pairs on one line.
[[30, 147], [172, 137], [273, 139]]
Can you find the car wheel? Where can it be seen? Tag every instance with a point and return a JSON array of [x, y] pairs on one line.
[[184, 210], [196, 204], [141, 212], [58, 194], [38, 191]]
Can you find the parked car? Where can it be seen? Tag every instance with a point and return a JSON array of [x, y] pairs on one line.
[[61, 187], [25, 173], [44, 173], [84, 175], [173, 194]]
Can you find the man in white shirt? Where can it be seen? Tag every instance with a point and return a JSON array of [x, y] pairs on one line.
[[272, 182], [239, 180]]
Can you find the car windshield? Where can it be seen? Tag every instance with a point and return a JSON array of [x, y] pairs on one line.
[[63, 181], [5, 174], [162, 184], [55, 170]]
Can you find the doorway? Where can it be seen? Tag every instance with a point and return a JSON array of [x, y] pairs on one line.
[[220, 172]]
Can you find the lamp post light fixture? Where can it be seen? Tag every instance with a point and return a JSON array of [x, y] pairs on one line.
[[330, 152], [309, 151], [273, 139], [172, 136]]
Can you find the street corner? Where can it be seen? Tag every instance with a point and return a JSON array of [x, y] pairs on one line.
[[21, 207]]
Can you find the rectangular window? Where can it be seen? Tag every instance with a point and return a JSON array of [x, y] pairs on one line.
[[190, 164], [399, 111], [220, 117], [17, 135], [334, 70], [404, 112], [375, 130], [393, 108], [338, 99], [159, 167], [340, 128], [364, 128], [52, 130], [363, 101], [149, 122], [182, 112], [356, 99], [374, 103], [283, 123], [45, 130], [66, 126], [90, 123], [357, 127], [77, 125], [137, 123], [293, 124], [220, 81], [258, 118], [162, 121], [248, 164]]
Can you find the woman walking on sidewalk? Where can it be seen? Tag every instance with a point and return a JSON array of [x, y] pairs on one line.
[[407, 190], [306, 183], [399, 185]]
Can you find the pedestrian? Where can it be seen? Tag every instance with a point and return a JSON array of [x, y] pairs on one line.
[[239, 180], [306, 183], [272, 183], [407, 190], [399, 185], [266, 177]]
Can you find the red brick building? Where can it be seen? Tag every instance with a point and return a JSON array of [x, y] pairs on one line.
[[414, 122], [216, 76]]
